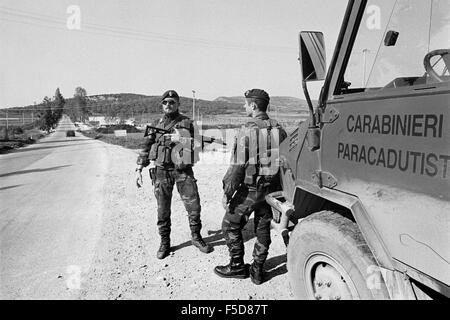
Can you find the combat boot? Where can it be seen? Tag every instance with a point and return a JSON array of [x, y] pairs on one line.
[[164, 248], [198, 242], [257, 273], [235, 269]]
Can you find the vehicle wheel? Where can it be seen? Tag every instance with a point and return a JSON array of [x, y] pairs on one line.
[[328, 258]]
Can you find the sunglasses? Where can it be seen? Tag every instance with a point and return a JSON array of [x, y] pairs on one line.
[[169, 102]]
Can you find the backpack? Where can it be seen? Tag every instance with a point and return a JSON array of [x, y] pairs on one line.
[[262, 168]]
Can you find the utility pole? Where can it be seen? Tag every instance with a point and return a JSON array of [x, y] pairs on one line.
[[6, 134], [193, 105], [365, 51], [32, 113]]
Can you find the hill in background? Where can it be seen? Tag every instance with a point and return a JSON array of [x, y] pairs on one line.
[[144, 108], [282, 103], [141, 106]]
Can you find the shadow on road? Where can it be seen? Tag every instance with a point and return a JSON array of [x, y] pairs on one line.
[[56, 141], [10, 187], [275, 266], [21, 156], [32, 171], [50, 147], [216, 237]]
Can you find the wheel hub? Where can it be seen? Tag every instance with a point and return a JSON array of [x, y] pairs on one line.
[[327, 280]]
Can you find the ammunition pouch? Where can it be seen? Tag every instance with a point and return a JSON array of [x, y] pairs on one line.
[[250, 175], [160, 152], [253, 178], [164, 155], [153, 154]]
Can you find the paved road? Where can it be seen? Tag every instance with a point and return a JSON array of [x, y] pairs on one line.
[[50, 214], [73, 225]]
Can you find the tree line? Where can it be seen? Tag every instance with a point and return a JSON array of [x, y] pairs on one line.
[[128, 106], [51, 110], [123, 106]]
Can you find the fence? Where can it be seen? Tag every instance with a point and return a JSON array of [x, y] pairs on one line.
[[12, 121], [289, 122]]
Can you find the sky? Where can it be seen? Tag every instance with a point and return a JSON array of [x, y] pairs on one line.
[[215, 47]]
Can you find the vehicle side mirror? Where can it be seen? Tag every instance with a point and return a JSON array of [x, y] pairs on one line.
[[312, 55], [391, 38]]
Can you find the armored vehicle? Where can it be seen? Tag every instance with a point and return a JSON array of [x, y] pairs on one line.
[[366, 181]]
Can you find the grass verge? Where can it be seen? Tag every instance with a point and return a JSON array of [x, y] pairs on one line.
[[131, 141], [16, 141]]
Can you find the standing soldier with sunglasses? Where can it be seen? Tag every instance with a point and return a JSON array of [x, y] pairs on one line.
[[166, 170]]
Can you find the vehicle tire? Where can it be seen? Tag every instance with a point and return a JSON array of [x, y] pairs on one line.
[[328, 258]]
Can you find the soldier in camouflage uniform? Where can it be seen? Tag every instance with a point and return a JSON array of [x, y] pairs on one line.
[[162, 153], [245, 189]]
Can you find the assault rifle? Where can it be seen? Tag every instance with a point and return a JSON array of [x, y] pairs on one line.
[[165, 131]]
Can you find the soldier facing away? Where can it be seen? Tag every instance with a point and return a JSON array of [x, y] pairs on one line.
[[161, 152], [246, 183]]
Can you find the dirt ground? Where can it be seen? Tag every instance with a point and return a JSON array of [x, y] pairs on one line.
[[125, 264]]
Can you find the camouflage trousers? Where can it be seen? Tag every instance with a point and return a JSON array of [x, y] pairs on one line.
[[236, 217], [187, 188]]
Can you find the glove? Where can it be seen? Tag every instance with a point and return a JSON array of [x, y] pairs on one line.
[[139, 181], [152, 171]]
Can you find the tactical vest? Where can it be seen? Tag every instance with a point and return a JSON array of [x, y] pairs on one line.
[[162, 150], [262, 168]]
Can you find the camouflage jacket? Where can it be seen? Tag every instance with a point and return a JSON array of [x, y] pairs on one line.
[[159, 148]]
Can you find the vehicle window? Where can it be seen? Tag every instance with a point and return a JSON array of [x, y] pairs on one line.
[[393, 40]]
